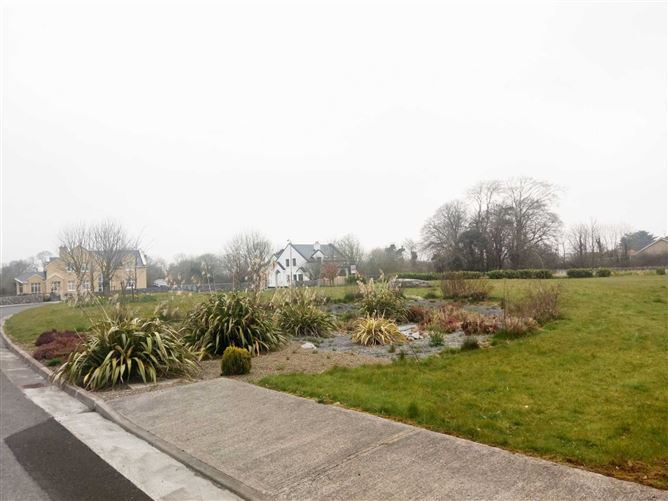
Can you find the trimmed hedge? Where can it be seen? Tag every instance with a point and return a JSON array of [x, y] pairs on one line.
[[512, 274], [603, 272], [428, 275], [580, 273]]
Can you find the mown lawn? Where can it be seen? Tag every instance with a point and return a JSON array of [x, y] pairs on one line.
[[26, 326], [590, 389]]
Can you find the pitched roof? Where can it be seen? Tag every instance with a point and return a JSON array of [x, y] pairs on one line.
[[660, 239], [330, 252], [23, 277]]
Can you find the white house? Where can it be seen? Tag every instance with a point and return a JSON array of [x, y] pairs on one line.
[[301, 262]]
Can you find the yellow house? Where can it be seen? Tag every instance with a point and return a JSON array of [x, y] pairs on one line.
[[58, 280]]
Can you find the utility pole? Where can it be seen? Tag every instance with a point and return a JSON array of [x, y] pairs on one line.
[[290, 277]]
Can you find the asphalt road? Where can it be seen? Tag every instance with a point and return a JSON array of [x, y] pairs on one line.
[[40, 459]]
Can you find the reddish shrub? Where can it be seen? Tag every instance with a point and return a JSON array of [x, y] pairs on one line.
[[50, 336], [477, 324], [60, 347], [418, 314]]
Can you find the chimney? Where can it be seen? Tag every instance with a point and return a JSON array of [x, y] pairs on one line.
[[316, 246]]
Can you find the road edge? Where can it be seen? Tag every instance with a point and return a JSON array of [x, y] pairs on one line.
[[101, 407]]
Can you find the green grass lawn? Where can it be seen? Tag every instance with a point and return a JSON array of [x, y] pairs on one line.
[[26, 326], [590, 389]]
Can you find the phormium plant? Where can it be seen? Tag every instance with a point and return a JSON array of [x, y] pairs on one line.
[[231, 319], [119, 351]]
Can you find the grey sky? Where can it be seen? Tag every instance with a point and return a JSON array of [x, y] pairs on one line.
[[308, 120]]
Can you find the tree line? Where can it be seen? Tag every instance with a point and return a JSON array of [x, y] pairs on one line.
[[496, 224]]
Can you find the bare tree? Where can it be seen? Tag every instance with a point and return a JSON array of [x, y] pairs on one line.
[[351, 249], [246, 257], [43, 258], [74, 250], [441, 232], [112, 248], [534, 224]]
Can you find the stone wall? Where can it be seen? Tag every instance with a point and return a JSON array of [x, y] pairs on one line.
[[24, 299]]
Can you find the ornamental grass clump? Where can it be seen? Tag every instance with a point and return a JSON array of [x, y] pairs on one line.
[[116, 352], [458, 285], [235, 361], [231, 319], [298, 313], [539, 301], [382, 298], [370, 331]]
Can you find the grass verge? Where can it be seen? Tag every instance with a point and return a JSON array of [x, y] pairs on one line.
[[590, 389]]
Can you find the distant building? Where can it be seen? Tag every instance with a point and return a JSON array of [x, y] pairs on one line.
[[297, 263], [657, 248], [58, 280]]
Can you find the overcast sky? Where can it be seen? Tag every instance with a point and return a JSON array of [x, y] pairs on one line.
[[307, 120]]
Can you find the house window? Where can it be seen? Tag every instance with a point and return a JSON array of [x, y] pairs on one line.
[[100, 284], [84, 268], [300, 277], [35, 288], [20, 289], [70, 286], [131, 284], [287, 262], [55, 286], [86, 285], [69, 268], [294, 277], [319, 259], [294, 261]]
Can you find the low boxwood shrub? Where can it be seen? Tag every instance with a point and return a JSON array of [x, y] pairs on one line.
[[119, 351], [371, 331], [298, 313], [231, 319], [579, 273], [235, 361], [603, 272], [660, 271]]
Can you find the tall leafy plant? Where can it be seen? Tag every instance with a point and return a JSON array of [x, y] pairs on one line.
[[231, 319]]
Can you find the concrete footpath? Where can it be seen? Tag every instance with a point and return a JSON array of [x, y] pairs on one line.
[[281, 446]]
